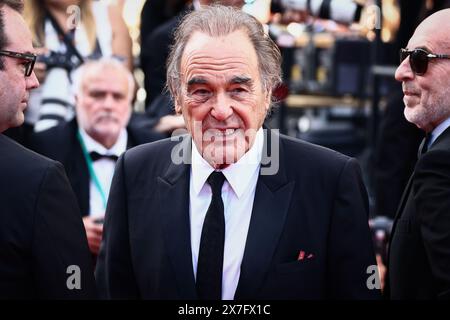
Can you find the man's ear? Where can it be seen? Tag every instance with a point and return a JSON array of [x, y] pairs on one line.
[[178, 108], [268, 99]]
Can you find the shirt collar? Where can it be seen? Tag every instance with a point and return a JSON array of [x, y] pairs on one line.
[[238, 174], [438, 131], [117, 149]]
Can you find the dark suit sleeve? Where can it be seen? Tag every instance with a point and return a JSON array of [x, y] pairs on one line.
[[431, 189], [63, 267], [114, 273], [350, 245]]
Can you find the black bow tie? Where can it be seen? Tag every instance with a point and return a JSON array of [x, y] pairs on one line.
[[97, 156]]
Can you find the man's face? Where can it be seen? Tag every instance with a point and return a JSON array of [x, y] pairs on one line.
[[14, 86], [221, 96], [426, 97], [103, 105]]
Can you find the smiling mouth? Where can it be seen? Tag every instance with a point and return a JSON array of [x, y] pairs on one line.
[[221, 132], [106, 118]]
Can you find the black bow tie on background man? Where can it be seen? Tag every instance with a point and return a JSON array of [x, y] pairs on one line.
[[97, 156], [210, 257]]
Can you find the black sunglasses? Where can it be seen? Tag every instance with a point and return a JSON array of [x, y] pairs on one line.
[[419, 58], [29, 57]]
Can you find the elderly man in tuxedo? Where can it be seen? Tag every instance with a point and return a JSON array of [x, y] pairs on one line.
[[233, 210], [90, 145], [43, 248], [419, 255]]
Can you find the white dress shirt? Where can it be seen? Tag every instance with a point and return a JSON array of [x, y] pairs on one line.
[[438, 131], [104, 170], [238, 193]]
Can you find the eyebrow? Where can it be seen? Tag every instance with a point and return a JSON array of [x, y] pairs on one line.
[[105, 91], [235, 80], [196, 80], [241, 80]]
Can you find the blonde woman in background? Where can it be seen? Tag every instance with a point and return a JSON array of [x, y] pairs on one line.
[[94, 28]]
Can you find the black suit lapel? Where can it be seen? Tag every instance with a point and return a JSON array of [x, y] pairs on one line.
[[173, 194], [76, 168], [401, 206], [79, 176], [404, 198], [272, 199], [442, 139]]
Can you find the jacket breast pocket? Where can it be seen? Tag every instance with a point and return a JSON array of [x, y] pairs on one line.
[[294, 280], [294, 266]]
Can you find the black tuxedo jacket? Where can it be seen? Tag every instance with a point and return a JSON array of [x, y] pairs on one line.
[[315, 203], [41, 232], [60, 143], [419, 255]]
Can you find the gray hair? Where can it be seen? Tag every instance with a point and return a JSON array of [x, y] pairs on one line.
[[100, 65], [217, 21]]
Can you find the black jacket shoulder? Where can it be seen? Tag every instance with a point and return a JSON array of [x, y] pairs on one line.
[[14, 156]]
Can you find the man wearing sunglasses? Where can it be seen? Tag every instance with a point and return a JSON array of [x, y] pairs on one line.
[[43, 247], [419, 255]]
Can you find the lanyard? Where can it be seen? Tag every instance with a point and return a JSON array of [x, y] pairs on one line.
[[94, 177]]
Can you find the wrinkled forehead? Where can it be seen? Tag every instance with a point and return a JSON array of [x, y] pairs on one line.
[[218, 55]]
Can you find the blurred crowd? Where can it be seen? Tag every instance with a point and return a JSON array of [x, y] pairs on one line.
[[84, 113]]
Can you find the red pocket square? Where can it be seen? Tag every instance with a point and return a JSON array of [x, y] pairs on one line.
[[302, 256]]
